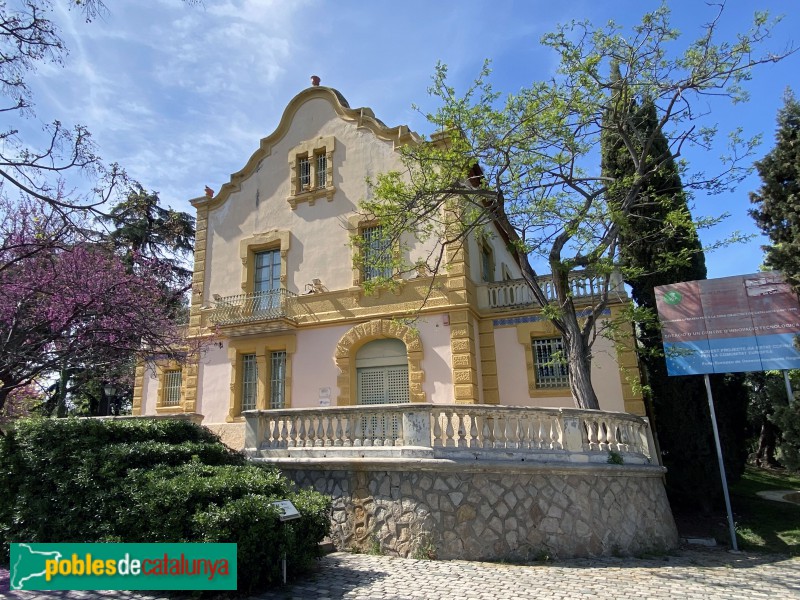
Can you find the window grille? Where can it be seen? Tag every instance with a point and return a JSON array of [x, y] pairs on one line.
[[322, 170], [375, 250], [304, 172], [172, 388], [549, 363], [249, 381], [277, 380], [383, 385]]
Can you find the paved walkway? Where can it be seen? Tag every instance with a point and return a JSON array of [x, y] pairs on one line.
[[710, 574]]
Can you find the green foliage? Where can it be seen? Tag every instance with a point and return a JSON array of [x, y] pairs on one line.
[[524, 167], [787, 419], [90, 480], [615, 458], [658, 245], [777, 211], [774, 423]]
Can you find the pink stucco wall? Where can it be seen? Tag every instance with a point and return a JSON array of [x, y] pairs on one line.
[[214, 381], [437, 359], [513, 378]]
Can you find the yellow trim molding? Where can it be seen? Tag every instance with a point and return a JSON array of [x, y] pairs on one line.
[[377, 329]]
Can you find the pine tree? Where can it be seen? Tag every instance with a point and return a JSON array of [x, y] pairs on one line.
[[652, 256], [777, 201]]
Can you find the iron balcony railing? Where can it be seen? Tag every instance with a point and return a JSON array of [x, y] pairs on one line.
[[247, 308]]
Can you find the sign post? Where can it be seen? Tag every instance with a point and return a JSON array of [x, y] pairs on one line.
[[731, 526], [729, 325]]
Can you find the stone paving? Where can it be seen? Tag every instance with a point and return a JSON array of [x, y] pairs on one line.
[[709, 574]]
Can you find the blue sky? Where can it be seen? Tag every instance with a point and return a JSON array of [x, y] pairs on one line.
[[180, 95]]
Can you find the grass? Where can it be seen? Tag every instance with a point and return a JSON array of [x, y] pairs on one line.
[[765, 525]]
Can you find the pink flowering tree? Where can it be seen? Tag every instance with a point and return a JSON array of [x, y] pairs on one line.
[[68, 303]]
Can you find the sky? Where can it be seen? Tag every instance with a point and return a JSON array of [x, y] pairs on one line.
[[181, 94]]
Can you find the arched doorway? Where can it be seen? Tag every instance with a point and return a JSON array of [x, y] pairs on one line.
[[382, 372], [359, 336]]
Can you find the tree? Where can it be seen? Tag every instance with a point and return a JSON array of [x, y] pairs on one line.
[[27, 39], [537, 154], [74, 305], [777, 210]]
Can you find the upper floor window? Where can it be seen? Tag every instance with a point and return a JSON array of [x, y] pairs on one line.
[[304, 173], [311, 171], [322, 170], [375, 253], [549, 364]]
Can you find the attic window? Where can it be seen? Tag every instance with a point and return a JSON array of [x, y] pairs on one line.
[[311, 176], [304, 170]]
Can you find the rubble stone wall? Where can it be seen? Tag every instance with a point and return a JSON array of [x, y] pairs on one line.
[[497, 510]]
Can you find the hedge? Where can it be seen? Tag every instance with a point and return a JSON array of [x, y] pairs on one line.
[[138, 480]]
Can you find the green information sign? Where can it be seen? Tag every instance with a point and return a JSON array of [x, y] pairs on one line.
[[123, 566]]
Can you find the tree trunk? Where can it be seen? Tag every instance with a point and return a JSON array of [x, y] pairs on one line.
[[766, 444], [579, 365], [578, 355]]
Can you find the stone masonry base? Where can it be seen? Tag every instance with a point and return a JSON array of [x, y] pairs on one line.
[[490, 510]]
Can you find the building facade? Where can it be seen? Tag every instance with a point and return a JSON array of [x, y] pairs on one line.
[[279, 301]]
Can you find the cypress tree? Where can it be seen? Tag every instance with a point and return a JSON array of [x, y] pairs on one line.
[[659, 245], [777, 201]]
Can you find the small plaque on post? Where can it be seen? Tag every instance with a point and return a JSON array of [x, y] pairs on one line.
[[288, 510]]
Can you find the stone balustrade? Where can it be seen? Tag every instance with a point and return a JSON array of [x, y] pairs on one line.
[[516, 293], [453, 431]]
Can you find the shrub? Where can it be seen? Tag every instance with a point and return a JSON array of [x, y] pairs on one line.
[[90, 480]]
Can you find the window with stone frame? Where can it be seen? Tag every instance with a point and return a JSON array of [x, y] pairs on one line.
[[376, 253], [172, 387], [311, 171], [549, 363]]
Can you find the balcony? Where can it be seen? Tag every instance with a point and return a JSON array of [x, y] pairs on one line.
[[516, 293], [249, 308], [455, 432]]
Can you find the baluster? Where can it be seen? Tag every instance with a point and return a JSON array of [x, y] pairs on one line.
[[397, 423], [473, 431], [437, 429], [499, 430], [272, 433], [380, 429], [525, 431], [310, 431], [591, 438], [487, 439], [284, 439], [324, 438], [337, 433], [462, 430], [602, 436], [630, 438], [617, 436], [369, 429], [347, 430], [449, 433], [300, 439], [358, 430]]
